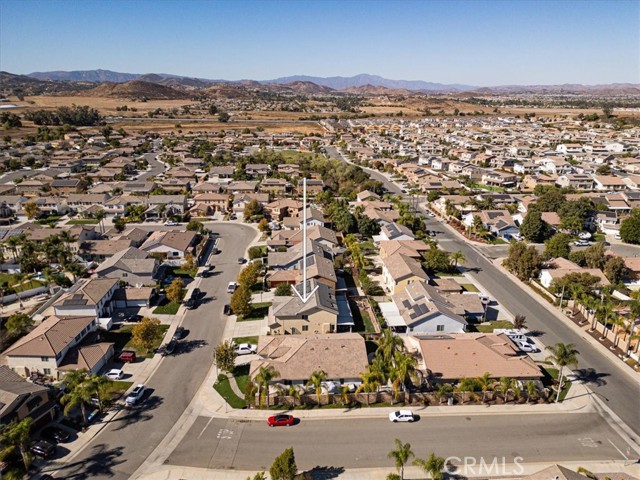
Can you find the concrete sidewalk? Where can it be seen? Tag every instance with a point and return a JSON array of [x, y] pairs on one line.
[[170, 472]]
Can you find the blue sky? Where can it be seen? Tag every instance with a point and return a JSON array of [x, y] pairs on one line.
[[470, 42]]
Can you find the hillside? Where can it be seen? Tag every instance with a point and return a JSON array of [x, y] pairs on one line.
[[374, 90], [96, 76], [11, 84], [578, 89], [342, 83], [136, 89]]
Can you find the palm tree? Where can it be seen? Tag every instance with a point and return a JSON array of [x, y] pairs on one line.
[[477, 224], [99, 215], [388, 344], [75, 377], [401, 455], [520, 321], [563, 355], [294, 393], [79, 396], [263, 378], [443, 391], [532, 390], [75, 269], [315, 381], [17, 435], [604, 310], [485, 382], [98, 383], [14, 242], [370, 382], [505, 386], [432, 465], [67, 238], [457, 257], [403, 365], [466, 385]]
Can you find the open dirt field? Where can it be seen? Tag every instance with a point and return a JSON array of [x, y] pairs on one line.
[[106, 106], [187, 126]]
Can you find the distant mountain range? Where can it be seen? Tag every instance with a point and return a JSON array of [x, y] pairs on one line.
[[364, 79], [364, 84]]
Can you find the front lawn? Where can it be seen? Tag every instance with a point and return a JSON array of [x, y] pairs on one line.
[[469, 287], [224, 389], [179, 272], [258, 312], [552, 373], [123, 340], [80, 221], [167, 308], [241, 374], [253, 340], [493, 325]]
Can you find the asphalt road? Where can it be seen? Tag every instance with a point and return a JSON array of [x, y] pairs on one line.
[[127, 441], [618, 391], [156, 167], [365, 443]]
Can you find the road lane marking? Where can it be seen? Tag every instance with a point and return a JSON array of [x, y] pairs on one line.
[[205, 427], [588, 442], [619, 451], [224, 434]]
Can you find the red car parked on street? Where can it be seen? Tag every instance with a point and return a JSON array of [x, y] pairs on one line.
[[280, 420]]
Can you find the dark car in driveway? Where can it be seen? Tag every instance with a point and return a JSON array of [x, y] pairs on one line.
[[43, 449], [55, 434]]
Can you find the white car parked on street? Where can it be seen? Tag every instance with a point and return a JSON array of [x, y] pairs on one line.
[[402, 416]]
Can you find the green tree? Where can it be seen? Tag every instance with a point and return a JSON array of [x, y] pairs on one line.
[[401, 455], [248, 276], [284, 466], [223, 117], [595, 256], [562, 355], [176, 291], [146, 333], [630, 228], [225, 356], [241, 301], [78, 396], [524, 262], [552, 200], [615, 269], [252, 208], [195, 226], [436, 260], [263, 225], [558, 246], [18, 324], [17, 436], [367, 226], [432, 465], [190, 265], [533, 228], [32, 210], [119, 224], [283, 290]]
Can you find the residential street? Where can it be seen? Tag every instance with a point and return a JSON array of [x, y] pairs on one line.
[[616, 389], [357, 443], [125, 443]]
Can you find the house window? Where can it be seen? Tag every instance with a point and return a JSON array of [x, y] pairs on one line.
[[440, 328], [125, 274], [47, 371], [78, 337], [44, 359], [305, 317], [305, 328]]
